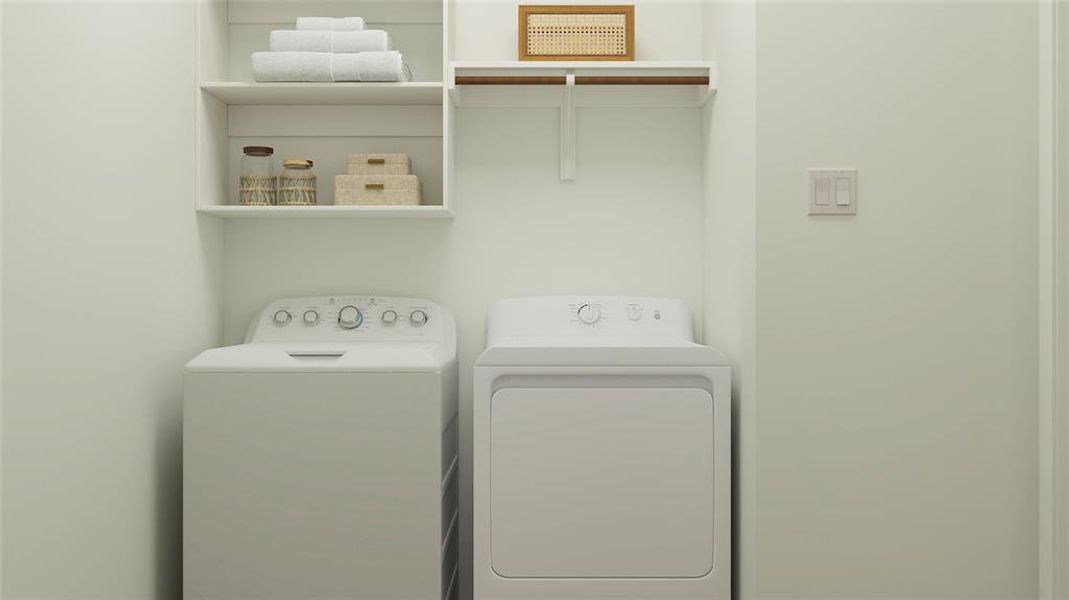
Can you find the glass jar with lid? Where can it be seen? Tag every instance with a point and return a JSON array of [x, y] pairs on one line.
[[297, 183], [258, 185]]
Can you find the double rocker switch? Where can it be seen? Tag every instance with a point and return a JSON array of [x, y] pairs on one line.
[[833, 191]]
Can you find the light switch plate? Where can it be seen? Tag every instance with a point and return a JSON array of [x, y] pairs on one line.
[[833, 191]]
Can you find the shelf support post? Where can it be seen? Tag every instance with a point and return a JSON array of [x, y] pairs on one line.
[[567, 129]]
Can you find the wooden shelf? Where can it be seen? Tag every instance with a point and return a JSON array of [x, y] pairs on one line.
[[702, 80], [597, 65], [327, 212], [609, 83], [409, 93]]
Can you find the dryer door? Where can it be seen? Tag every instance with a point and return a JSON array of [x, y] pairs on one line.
[[601, 482]]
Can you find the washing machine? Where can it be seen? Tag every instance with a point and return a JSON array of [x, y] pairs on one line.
[[602, 453], [320, 456]]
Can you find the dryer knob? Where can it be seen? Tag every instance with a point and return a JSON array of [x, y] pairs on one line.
[[389, 316], [417, 318], [350, 317], [589, 314], [282, 317], [311, 316]]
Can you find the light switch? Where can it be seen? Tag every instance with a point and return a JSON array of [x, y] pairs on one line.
[[822, 191], [832, 191], [842, 191]]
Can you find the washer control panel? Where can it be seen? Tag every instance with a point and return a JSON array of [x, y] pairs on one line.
[[347, 318], [591, 317]]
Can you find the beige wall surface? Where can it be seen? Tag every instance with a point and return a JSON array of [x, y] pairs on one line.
[[1062, 411], [110, 285], [896, 350]]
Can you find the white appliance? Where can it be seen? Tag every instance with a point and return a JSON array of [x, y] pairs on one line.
[[602, 453], [321, 455]]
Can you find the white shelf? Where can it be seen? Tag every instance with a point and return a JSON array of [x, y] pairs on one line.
[[327, 212], [320, 121], [412, 93], [572, 84]]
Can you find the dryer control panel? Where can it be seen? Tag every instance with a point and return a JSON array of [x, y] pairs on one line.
[[347, 318], [590, 318]]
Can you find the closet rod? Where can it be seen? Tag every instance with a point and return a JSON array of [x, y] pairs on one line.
[[582, 80], [510, 80]]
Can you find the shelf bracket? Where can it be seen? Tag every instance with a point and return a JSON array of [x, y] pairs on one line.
[[567, 128]]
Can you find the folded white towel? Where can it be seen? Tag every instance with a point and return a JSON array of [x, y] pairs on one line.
[[327, 67], [341, 42], [380, 66], [330, 23]]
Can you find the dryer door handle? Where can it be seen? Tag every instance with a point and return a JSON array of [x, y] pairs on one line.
[[316, 353]]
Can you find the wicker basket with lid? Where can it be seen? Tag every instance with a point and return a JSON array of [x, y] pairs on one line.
[[297, 184]]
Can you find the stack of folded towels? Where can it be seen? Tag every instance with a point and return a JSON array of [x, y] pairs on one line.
[[326, 49]]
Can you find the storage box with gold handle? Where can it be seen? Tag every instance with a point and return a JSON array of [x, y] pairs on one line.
[[376, 190], [379, 164]]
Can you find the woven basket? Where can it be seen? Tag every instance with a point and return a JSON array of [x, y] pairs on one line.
[[258, 190], [376, 190], [379, 164], [577, 32]]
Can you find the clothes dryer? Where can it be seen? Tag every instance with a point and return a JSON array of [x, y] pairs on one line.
[[602, 453]]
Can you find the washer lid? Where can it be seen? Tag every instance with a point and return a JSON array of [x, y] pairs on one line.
[[378, 357], [344, 333]]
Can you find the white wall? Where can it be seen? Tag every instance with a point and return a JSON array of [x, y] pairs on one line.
[[729, 250], [896, 350], [110, 285]]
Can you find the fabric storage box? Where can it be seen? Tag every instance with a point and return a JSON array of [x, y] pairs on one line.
[[376, 190], [379, 164]]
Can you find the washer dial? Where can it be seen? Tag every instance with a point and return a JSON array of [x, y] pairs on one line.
[[311, 316], [417, 318], [350, 317], [389, 316], [282, 317]]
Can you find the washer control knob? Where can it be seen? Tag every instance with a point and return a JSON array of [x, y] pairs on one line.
[[282, 317], [417, 318], [389, 316], [350, 317], [589, 314], [311, 316]]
